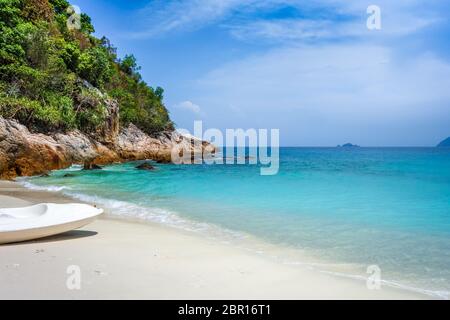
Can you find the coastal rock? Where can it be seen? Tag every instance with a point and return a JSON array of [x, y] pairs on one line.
[[444, 143], [111, 127], [23, 153], [146, 166], [91, 166], [134, 144]]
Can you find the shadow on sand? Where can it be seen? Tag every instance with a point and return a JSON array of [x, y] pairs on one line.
[[69, 235]]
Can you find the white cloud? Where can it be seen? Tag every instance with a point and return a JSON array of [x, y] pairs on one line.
[[282, 30], [328, 76], [189, 106], [289, 30], [237, 111], [361, 81], [398, 17], [162, 16], [347, 88]]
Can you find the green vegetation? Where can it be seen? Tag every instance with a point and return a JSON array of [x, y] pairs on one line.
[[53, 77]]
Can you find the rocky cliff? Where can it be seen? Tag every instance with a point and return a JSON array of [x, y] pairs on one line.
[[23, 153]]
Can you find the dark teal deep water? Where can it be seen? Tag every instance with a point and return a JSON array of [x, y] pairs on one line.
[[361, 206]]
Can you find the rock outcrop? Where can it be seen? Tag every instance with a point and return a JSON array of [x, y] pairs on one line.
[[145, 166], [348, 145], [444, 143], [23, 153]]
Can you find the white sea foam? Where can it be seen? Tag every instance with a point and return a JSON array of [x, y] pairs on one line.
[[128, 210], [74, 167], [50, 188], [445, 295]]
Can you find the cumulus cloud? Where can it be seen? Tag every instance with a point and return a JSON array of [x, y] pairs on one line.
[[323, 68], [333, 77], [347, 88], [189, 106]]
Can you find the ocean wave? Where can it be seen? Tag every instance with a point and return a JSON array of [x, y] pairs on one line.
[[128, 210], [49, 188], [438, 294], [74, 167]]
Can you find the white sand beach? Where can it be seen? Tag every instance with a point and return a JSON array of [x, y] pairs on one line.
[[129, 260]]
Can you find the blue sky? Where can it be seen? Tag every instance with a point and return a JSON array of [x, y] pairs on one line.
[[310, 68]]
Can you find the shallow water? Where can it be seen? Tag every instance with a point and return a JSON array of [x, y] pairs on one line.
[[358, 206]]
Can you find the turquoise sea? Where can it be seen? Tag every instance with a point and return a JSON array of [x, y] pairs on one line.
[[342, 208]]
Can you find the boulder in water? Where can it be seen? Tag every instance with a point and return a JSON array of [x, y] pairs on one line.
[[146, 166], [68, 175]]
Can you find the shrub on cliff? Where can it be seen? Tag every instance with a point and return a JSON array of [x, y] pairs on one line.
[[43, 64]]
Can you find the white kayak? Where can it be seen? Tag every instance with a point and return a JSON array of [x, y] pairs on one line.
[[43, 220]]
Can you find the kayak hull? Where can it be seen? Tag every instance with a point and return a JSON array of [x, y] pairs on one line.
[[52, 220]]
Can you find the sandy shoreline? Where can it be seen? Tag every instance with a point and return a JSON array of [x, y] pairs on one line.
[[127, 260]]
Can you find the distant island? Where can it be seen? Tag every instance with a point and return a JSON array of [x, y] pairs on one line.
[[348, 145], [444, 143]]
